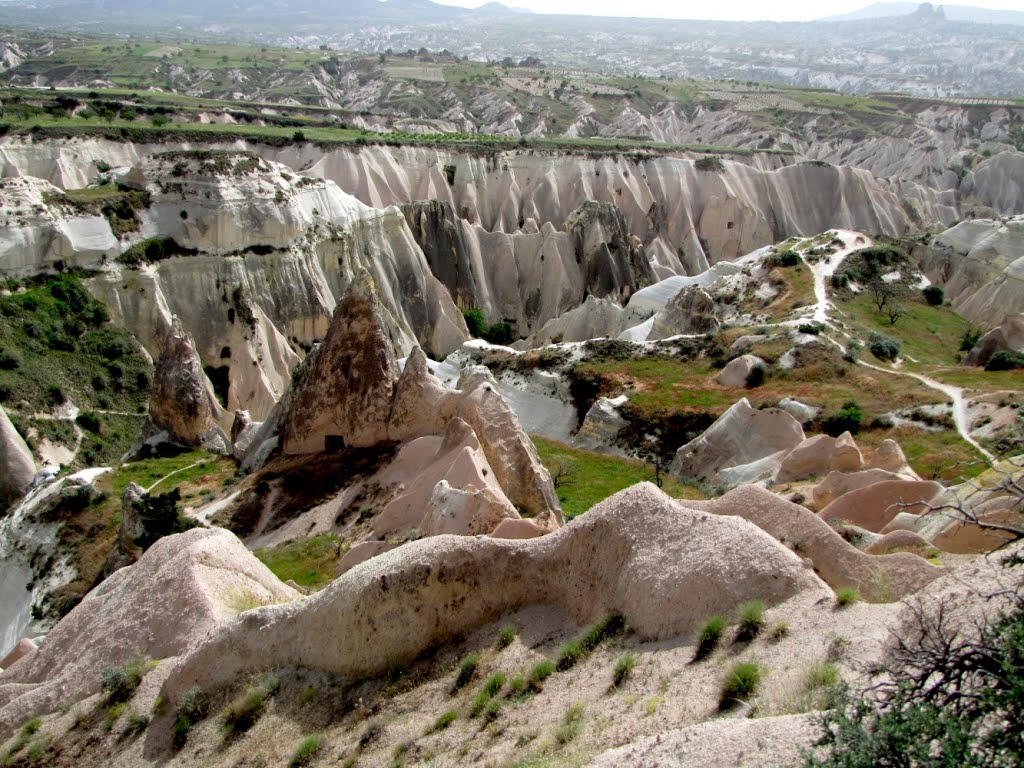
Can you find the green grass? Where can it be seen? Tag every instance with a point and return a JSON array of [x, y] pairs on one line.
[[710, 636], [751, 621], [466, 671], [309, 562], [442, 722], [846, 596], [541, 671], [307, 751], [740, 684], [580, 648], [623, 669], [595, 476], [506, 635], [572, 724]]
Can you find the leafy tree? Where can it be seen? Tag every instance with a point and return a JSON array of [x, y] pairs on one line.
[[160, 517], [934, 295]]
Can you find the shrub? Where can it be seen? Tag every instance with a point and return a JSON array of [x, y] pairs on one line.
[[307, 751], [710, 163], [540, 672], [934, 295], [623, 668], [1004, 361], [475, 323], [777, 632], [740, 684], [847, 419], [788, 258], [969, 338], [9, 360], [499, 333], [822, 674], [479, 702], [120, 683], [242, 713], [89, 421], [466, 671], [494, 683], [160, 517], [883, 347], [572, 724], [442, 722], [710, 635], [492, 710], [951, 695], [193, 708], [756, 377], [847, 596], [751, 620], [506, 635]]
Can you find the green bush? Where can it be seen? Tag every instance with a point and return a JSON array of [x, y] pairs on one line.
[[443, 722], [623, 669], [934, 295], [506, 635], [709, 637], [475, 322], [1004, 361], [756, 377], [160, 517], [883, 347], [710, 163], [193, 708], [466, 671], [751, 620], [847, 419], [499, 333], [541, 671], [120, 683], [969, 338], [572, 724], [307, 751], [847, 596], [740, 684], [243, 712]]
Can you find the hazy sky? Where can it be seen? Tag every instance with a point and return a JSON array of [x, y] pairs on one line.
[[733, 10]]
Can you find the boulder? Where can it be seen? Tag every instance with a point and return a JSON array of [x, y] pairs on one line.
[[874, 506], [17, 468], [662, 566], [799, 411], [736, 372], [1008, 337], [243, 433], [809, 459], [739, 436], [182, 402], [836, 484], [466, 511], [25, 647], [518, 529], [165, 604], [691, 311], [846, 456], [889, 456], [601, 427]]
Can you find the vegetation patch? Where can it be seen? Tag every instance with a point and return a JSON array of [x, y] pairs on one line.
[[740, 684], [309, 562], [577, 650]]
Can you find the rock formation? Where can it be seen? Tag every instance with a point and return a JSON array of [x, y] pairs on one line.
[[739, 437], [738, 371], [691, 311], [182, 402], [664, 567], [162, 606], [1008, 337], [17, 468], [126, 551]]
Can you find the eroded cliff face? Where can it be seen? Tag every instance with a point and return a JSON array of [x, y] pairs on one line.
[[260, 256]]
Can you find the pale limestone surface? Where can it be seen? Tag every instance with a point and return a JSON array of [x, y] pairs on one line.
[[165, 604]]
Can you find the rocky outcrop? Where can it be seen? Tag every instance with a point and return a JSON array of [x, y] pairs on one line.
[[182, 588], [837, 484], [182, 402], [25, 647], [875, 505], [126, 551], [980, 266], [882, 578], [664, 567], [740, 436], [691, 311], [1008, 337], [17, 468], [601, 426], [348, 393], [738, 371]]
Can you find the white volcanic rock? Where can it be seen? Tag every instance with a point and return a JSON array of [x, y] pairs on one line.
[[691, 311], [183, 587], [980, 263], [739, 436], [664, 567], [889, 456], [836, 484], [882, 578], [182, 401], [737, 370], [17, 468], [799, 411], [601, 427], [846, 456], [998, 183], [811, 458], [126, 551], [595, 318]]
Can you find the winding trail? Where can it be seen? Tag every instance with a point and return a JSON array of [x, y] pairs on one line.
[[824, 270]]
